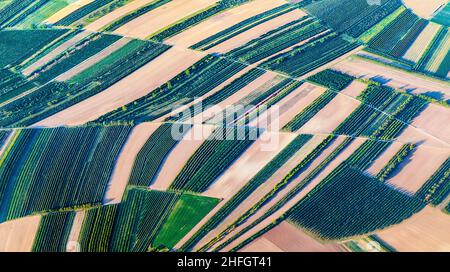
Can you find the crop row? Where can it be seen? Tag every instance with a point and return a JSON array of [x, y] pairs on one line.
[[349, 203], [373, 18], [17, 45], [195, 19], [10, 11], [235, 86], [332, 79], [344, 15], [432, 48], [442, 16], [97, 227], [140, 218], [152, 154], [48, 169], [277, 40], [214, 156], [308, 113], [135, 14], [263, 175], [437, 187], [304, 59], [56, 96], [243, 26], [196, 81], [24, 14], [392, 34], [53, 232]]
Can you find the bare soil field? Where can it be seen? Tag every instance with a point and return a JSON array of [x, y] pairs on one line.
[[260, 153], [288, 238], [161, 17], [331, 116], [93, 60], [414, 135], [393, 77], [127, 90], [72, 242], [426, 231], [180, 155], [222, 21], [424, 163], [424, 9], [67, 10], [125, 162], [18, 235], [256, 32], [116, 14], [54, 53]]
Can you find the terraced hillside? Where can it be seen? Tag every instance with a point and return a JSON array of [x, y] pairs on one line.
[[224, 125]]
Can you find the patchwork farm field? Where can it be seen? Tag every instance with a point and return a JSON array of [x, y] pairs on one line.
[[224, 125]]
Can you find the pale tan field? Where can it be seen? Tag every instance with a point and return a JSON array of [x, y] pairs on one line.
[[179, 156], [419, 46], [354, 89], [426, 8], [288, 238], [262, 190], [403, 80], [222, 21], [260, 153], [432, 119], [384, 158], [125, 162], [72, 242], [289, 107], [424, 163], [67, 10], [54, 53], [161, 17], [216, 112], [18, 235], [439, 55], [325, 172], [127, 90], [331, 116], [256, 32], [117, 14], [93, 60], [426, 231]]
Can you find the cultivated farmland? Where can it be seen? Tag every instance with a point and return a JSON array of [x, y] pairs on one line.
[[224, 125]]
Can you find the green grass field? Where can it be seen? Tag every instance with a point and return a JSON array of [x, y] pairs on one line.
[[189, 210], [443, 16]]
